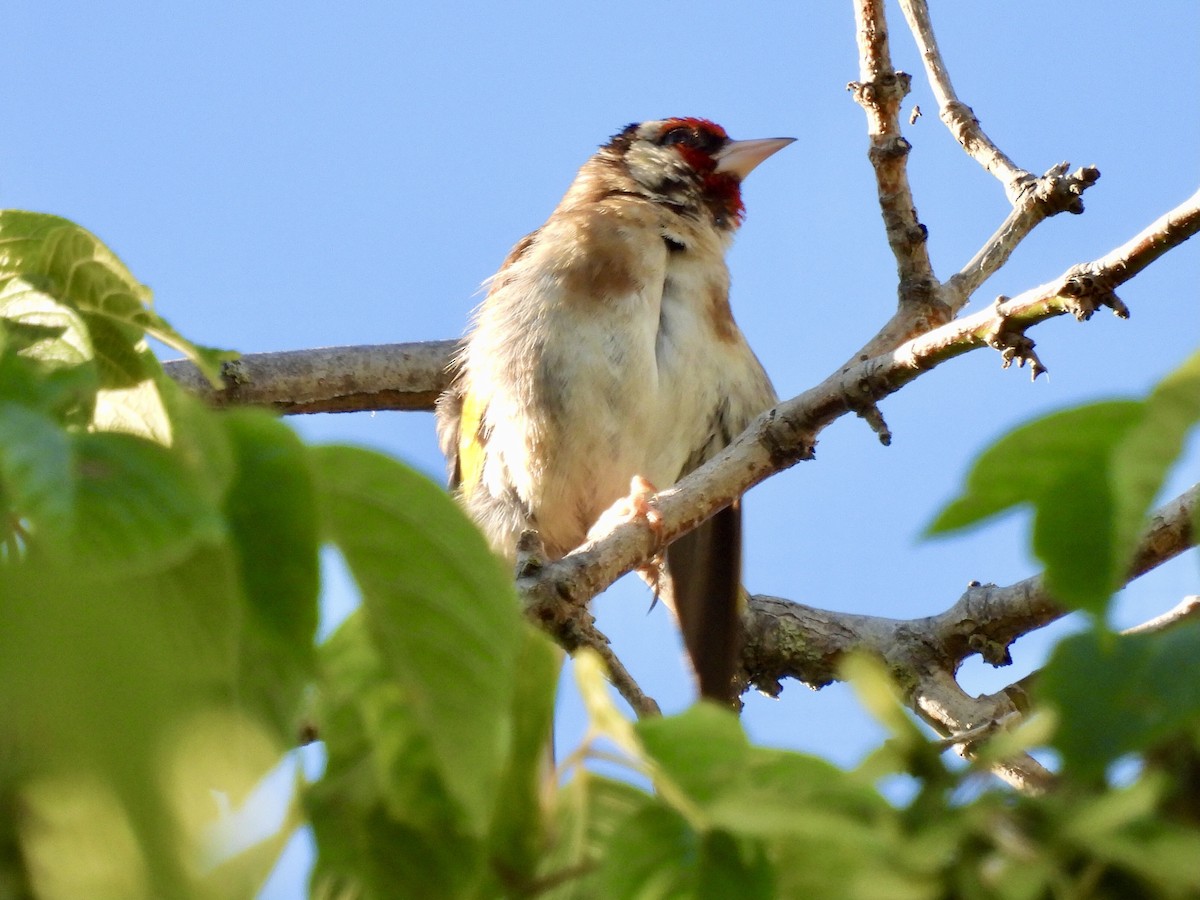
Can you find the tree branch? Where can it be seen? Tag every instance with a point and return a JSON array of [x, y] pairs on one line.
[[959, 117], [1033, 199], [785, 639], [329, 379], [1054, 192], [880, 91]]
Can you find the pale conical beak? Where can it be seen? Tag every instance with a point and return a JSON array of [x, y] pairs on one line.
[[741, 157]]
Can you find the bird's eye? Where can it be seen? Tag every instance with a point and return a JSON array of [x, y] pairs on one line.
[[681, 135]]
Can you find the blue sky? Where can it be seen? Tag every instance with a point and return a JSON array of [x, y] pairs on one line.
[[300, 175]]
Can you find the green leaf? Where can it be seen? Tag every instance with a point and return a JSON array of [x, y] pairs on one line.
[[71, 265], [439, 607], [50, 331], [754, 791], [701, 750], [272, 515], [1120, 694], [780, 792], [1142, 460], [46, 359], [384, 821], [138, 506], [136, 408], [96, 675], [36, 479], [518, 830], [652, 854], [587, 811], [1060, 465], [733, 868], [886, 858]]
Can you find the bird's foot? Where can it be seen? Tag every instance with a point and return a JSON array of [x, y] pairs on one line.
[[638, 504]]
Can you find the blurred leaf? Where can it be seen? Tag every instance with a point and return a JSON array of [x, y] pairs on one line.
[[213, 763], [95, 672], [136, 410], [138, 506], [729, 867], [63, 388], [1119, 694], [1059, 464], [36, 478], [518, 830], [385, 823], [78, 841], [586, 812], [72, 266], [1143, 459], [701, 750], [368, 855], [123, 358], [779, 792], [439, 607], [652, 854], [591, 678], [271, 510], [747, 793], [47, 331]]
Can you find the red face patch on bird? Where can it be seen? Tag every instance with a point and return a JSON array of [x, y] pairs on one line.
[[698, 141]]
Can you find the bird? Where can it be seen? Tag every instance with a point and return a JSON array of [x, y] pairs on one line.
[[605, 354]]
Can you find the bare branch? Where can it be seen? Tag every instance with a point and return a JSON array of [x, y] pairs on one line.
[[1033, 199], [785, 639], [1043, 197], [643, 704], [959, 117], [1187, 609], [574, 626], [791, 640], [1169, 230], [880, 91], [329, 379]]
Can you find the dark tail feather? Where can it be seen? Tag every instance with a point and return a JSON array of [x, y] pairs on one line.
[[705, 569]]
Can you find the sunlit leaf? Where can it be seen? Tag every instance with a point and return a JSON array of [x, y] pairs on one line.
[[439, 606], [74, 267]]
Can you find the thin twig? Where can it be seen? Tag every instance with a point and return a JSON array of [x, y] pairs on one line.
[[643, 704], [1187, 609], [1054, 192], [959, 117]]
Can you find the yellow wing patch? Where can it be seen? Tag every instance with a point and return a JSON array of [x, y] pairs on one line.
[[470, 442]]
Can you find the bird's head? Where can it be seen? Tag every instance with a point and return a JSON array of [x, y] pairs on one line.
[[691, 163]]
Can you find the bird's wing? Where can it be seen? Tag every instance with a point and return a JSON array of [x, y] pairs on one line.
[[460, 410], [703, 569], [448, 412]]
